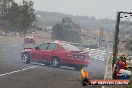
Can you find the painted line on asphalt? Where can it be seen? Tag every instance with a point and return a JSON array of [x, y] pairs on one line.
[[17, 71]]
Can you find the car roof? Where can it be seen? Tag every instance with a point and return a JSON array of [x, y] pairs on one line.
[[58, 42]]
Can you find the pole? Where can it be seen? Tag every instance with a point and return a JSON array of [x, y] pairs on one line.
[[100, 42], [102, 38], [116, 40]]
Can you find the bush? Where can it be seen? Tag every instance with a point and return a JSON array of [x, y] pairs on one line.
[[66, 31]]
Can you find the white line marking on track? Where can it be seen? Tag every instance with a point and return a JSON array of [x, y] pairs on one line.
[[17, 71]]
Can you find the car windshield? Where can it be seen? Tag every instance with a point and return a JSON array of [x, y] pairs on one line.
[[69, 47]]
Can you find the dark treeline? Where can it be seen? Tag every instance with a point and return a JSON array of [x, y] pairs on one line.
[[16, 17], [66, 30]]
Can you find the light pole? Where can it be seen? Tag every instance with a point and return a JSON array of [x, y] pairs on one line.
[[116, 39]]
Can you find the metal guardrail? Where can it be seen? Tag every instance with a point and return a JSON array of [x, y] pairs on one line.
[[97, 54]]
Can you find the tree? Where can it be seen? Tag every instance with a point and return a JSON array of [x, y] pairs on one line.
[[4, 8], [13, 16], [26, 17], [66, 31]]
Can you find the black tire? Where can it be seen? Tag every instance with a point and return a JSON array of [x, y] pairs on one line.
[[55, 62], [77, 67], [26, 58]]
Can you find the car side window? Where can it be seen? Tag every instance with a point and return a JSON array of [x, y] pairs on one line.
[[52, 47], [43, 46]]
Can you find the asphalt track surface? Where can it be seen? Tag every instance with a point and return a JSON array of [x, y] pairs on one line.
[[15, 74]]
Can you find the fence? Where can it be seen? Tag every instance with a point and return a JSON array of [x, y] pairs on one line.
[[97, 54]]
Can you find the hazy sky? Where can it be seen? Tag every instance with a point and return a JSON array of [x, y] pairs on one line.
[[97, 8]]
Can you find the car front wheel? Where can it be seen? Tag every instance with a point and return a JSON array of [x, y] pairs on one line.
[[26, 58]]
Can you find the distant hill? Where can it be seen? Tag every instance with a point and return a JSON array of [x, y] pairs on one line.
[[85, 22]]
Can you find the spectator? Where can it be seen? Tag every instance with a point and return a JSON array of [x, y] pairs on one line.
[[120, 71], [123, 58]]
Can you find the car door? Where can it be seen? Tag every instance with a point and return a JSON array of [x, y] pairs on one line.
[[49, 52], [39, 51]]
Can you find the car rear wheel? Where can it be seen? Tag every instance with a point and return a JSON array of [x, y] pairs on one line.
[[26, 58], [55, 62]]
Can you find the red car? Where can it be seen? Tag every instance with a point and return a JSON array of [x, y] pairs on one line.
[[56, 54], [29, 39]]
